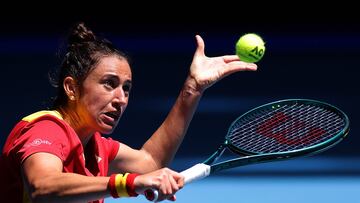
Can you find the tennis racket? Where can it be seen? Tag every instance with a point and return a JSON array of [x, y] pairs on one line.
[[272, 132]]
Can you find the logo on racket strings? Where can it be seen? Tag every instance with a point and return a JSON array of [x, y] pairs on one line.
[[274, 128]]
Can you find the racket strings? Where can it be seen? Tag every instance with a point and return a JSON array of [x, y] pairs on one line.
[[285, 128], [300, 127]]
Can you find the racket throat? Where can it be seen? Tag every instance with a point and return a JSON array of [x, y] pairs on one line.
[[215, 156]]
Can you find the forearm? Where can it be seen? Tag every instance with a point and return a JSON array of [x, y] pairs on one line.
[[160, 149], [68, 187], [165, 142]]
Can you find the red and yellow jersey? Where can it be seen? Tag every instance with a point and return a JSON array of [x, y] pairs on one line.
[[46, 131]]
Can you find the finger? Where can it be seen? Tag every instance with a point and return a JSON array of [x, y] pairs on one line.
[[230, 58], [172, 198], [181, 181], [200, 51], [174, 184], [238, 66], [174, 188], [167, 185], [178, 178], [168, 189]]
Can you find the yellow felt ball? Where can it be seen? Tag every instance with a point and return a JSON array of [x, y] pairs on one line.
[[250, 48]]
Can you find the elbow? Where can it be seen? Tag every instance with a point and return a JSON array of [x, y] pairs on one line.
[[40, 192], [151, 163]]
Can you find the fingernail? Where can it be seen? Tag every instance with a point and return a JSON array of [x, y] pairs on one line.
[[173, 198]]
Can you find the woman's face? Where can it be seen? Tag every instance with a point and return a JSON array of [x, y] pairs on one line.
[[105, 94]]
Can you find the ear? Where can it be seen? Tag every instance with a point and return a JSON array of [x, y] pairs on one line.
[[70, 88]]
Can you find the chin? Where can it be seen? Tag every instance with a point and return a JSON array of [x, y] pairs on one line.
[[106, 129]]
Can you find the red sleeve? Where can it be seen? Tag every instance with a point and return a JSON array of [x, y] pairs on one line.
[[112, 147], [42, 136]]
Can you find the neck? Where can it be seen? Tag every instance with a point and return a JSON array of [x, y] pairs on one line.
[[74, 120]]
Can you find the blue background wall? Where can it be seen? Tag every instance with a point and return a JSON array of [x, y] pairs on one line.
[[309, 55], [317, 60]]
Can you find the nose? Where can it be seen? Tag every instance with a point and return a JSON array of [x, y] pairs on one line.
[[120, 98]]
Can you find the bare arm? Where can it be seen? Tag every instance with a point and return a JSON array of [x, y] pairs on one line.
[[45, 181], [204, 72], [160, 149]]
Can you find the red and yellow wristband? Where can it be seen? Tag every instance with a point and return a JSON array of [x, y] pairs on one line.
[[122, 185]]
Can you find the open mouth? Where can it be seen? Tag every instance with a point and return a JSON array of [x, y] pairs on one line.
[[114, 115]]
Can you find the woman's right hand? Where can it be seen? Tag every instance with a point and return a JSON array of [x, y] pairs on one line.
[[166, 181]]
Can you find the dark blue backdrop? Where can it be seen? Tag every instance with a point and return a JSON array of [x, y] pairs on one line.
[[303, 60]]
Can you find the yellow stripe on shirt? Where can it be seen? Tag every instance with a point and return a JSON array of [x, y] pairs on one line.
[[38, 114]]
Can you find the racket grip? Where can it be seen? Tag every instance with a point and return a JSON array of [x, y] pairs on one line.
[[196, 172]]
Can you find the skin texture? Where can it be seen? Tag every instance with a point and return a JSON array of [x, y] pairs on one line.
[[103, 97], [97, 105]]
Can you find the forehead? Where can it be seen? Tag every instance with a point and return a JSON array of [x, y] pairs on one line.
[[112, 65]]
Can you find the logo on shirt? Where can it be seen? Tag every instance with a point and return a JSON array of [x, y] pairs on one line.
[[38, 142], [98, 159]]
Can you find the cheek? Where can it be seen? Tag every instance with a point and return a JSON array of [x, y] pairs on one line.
[[95, 101]]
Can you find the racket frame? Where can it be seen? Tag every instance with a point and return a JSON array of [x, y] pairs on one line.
[[252, 158]]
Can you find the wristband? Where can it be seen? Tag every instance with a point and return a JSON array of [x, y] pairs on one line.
[[112, 187], [130, 187], [122, 185]]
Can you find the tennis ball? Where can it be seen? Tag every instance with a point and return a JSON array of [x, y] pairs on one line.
[[250, 48]]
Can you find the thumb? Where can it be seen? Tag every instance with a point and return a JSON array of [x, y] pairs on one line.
[[200, 50]]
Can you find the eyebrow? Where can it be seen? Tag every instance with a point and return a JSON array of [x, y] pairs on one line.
[[128, 82], [112, 76]]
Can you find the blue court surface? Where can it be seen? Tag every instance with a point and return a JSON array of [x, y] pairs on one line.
[[305, 180]]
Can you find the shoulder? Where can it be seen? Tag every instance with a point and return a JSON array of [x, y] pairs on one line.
[[47, 122], [43, 114], [39, 132]]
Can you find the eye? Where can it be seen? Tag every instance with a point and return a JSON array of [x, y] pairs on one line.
[[127, 87], [110, 83]]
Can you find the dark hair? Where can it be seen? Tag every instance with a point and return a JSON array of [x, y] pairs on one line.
[[83, 52]]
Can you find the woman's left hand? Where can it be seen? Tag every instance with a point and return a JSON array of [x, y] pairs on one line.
[[206, 71]]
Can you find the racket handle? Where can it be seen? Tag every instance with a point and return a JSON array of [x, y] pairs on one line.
[[196, 172]]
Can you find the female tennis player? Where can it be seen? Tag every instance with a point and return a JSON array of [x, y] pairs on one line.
[[60, 155]]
